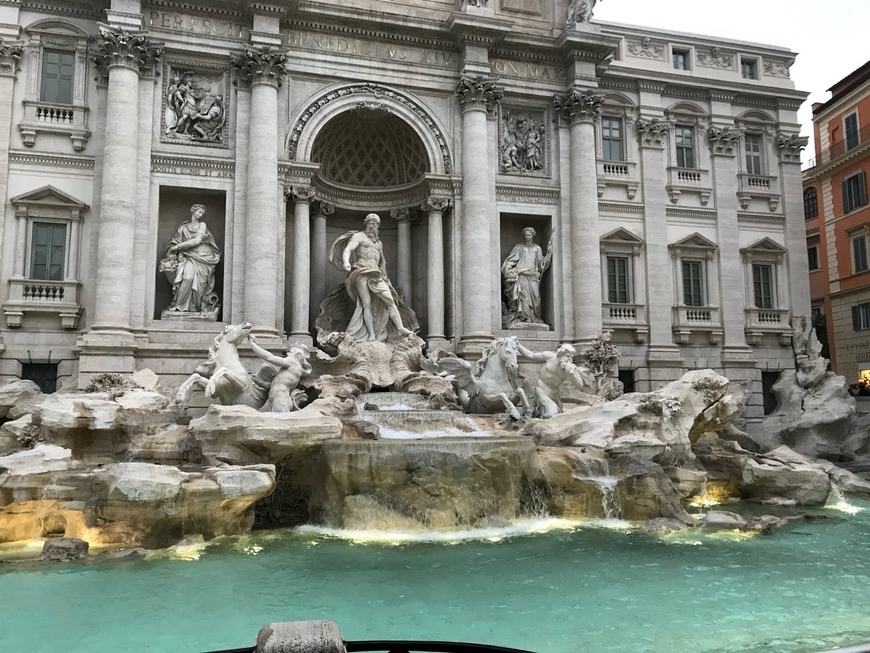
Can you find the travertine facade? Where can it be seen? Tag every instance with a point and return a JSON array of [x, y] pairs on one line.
[[663, 167]]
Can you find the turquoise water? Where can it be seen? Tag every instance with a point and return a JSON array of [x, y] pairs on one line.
[[563, 591]]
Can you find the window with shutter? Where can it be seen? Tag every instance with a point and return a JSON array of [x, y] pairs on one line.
[[47, 251], [58, 71]]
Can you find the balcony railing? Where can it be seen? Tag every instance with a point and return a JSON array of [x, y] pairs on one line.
[[618, 173], [761, 186], [60, 298], [631, 317], [838, 149], [56, 118], [768, 320], [689, 319], [692, 180]]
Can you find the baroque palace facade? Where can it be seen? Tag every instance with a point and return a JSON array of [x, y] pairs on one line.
[[662, 169]]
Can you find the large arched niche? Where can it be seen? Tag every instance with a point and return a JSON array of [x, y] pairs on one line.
[[372, 103]]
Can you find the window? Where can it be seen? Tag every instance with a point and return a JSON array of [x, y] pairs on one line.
[[681, 59], [42, 374], [611, 139], [749, 68], [854, 192], [859, 253], [851, 125], [618, 282], [762, 285], [685, 141], [753, 143], [47, 251], [813, 257], [627, 379], [861, 316], [693, 283], [811, 203], [58, 71]]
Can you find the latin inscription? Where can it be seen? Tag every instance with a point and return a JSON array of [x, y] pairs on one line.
[[858, 347], [372, 49], [197, 25], [527, 70]]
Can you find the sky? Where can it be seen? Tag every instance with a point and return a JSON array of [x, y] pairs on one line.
[[830, 37]]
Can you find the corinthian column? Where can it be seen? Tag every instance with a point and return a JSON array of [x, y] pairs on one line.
[[262, 68], [301, 266], [403, 276], [580, 109], [435, 208], [478, 96], [122, 55]]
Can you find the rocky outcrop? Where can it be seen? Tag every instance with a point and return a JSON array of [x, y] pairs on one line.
[[64, 549], [241, 435], [45, 492], [18, 398], [816, 422]]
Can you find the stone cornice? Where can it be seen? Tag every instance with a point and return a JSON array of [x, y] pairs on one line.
[[197, 166], [51, 160], [428, 40], [120, 47], [264, 65], [76, 8], [620, 207], [527, 194], [587, 46], [477, 30]]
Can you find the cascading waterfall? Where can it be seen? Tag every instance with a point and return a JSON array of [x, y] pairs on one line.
[[597, 471]]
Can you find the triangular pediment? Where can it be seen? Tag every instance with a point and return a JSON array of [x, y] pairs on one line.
[[765, 246], [621, 236], [695, 241], [48, 197]]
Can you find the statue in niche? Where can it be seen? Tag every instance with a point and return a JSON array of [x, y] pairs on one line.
[[580, 11], [522, 143], [366, 306], [557, 368], [189, 265], [194, 107], [522, 271]]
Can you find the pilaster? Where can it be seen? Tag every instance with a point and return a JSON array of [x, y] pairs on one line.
[[403, 277], [789, 147]]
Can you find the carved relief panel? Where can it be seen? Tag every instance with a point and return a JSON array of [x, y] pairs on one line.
[[195, 104], [524, 141]]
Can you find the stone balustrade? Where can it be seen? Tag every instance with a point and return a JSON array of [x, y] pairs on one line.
[[54, 118], [60, 298], [691, 180]]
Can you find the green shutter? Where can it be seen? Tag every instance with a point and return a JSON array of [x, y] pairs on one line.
[[58, 72], [47, 251]]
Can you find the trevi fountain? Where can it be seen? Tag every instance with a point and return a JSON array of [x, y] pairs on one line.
[[521, 499]]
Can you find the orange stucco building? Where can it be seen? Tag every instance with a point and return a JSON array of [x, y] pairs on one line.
[[838, 223]]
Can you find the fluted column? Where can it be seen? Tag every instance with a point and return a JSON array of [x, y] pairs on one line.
[[580, 109], [477, 95], [262, 68], [435, 208], [403, 276], [122, 55], [301, 282], [319, 252]]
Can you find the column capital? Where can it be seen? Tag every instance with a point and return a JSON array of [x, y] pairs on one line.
[[481, 93], [324, 208], [651, 132], [10, 54], [579, 105], [263, 65], [723, 140], [435, 204], [790, 147], [302, 194], [121, 47], [401, 215]]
